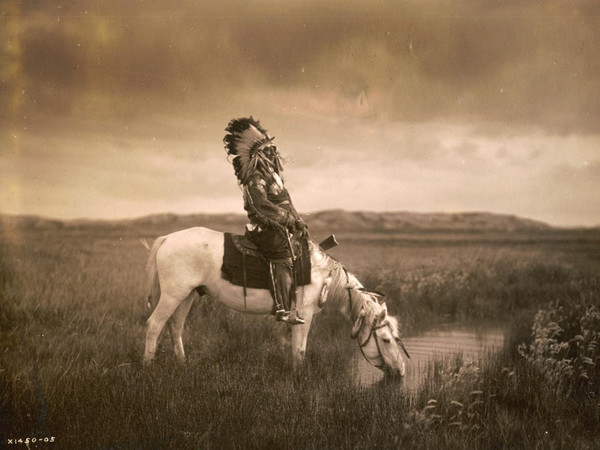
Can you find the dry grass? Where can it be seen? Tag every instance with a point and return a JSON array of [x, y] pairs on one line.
[[72, 317]]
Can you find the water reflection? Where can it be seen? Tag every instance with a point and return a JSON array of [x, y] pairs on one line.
[[445, 341]]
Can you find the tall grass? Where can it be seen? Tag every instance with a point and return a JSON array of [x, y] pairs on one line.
[[72, 316], [468, 282]]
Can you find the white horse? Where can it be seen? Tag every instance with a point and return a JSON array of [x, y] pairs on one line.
[[187, 263]]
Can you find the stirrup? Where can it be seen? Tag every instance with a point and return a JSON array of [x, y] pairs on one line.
[[284, 316], [294, 318], [281, 315]]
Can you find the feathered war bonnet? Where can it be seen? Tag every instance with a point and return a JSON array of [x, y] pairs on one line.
[[246, 142]]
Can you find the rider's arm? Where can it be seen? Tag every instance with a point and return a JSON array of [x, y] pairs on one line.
[[265, 210], [298, 222]]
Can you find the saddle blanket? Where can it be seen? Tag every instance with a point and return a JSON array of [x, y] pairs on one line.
[[256, 268]]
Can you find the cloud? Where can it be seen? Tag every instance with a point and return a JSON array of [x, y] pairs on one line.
[[418, 61], [423, 105], [335, 163], [468, 170]]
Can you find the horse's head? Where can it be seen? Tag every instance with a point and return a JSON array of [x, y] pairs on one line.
[[379, 340]]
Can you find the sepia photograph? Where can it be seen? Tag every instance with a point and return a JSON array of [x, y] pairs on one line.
[[299, 224]]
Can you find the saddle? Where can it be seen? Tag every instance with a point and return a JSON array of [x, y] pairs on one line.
[[245, 246], [243, 264]]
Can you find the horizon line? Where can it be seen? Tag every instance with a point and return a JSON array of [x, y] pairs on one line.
[[241, 215]]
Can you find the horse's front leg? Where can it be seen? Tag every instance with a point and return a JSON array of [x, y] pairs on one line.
[[299, 338]]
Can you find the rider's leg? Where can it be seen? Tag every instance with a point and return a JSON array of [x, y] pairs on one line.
[[283, 281], [275, 247], [285, 290], [275, 292]]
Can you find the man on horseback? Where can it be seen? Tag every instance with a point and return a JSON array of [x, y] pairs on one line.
[[275, 226]]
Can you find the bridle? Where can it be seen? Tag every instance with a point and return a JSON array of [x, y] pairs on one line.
[[372, 332]]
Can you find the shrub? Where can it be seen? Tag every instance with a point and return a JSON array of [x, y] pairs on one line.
[[564, 347]]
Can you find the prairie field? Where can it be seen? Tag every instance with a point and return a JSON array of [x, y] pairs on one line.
[[72, 323]]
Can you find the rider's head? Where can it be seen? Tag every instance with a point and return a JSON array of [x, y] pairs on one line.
[[271, 158], [251, 148]]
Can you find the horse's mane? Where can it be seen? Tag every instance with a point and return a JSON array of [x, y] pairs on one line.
[[341, 280]]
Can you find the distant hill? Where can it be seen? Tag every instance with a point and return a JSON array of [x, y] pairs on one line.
[[411, 221], [329, 221]]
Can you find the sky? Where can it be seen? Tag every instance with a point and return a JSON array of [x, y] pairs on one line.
[[112, 109]]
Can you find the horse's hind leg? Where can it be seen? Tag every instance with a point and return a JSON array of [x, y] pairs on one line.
[[176, 325], [167, 304]]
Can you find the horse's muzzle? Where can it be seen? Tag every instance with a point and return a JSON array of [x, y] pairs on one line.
[[393, 374]]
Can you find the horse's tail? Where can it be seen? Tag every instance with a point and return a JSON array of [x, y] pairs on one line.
[[152, 284]]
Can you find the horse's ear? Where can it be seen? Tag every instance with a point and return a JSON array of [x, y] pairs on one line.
[[358, 324]]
